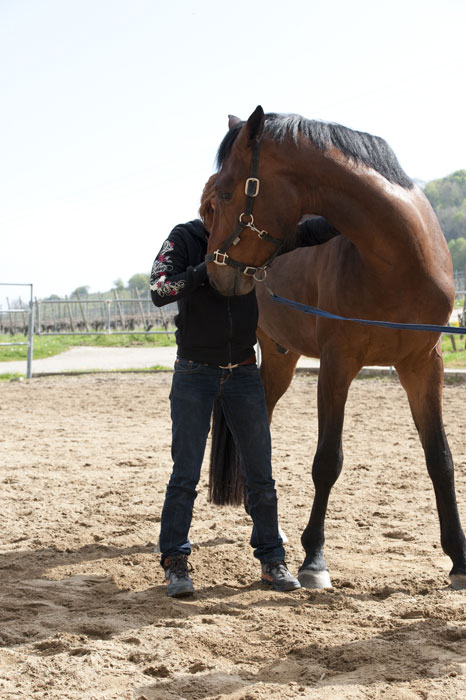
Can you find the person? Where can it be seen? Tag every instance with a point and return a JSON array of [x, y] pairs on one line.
[[215, 338]]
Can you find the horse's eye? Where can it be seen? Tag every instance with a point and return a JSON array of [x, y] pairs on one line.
[[225, 196]]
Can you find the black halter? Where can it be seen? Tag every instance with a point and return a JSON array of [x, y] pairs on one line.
[[246, 220]]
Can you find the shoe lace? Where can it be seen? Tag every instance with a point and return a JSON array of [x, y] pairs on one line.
[[279, 567], [180, 566]]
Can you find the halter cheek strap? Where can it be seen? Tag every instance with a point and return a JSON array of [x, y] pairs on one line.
[[246, 220]]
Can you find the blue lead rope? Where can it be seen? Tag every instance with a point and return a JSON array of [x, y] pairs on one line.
[[385, 324]]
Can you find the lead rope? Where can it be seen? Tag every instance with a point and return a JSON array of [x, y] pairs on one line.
[[384, 324]]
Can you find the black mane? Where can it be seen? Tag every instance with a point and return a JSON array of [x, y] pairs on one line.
[[358, 146]]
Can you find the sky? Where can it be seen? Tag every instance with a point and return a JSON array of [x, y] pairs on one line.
[[112, 111]]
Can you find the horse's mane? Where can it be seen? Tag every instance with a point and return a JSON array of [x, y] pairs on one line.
[[358, 146]]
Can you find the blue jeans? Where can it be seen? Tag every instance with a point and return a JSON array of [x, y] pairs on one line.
[[195, 387]]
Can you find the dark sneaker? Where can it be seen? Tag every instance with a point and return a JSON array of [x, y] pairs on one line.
[[177, 576], [276, 575]]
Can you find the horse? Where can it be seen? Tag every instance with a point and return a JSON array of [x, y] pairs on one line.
[[391, 262]]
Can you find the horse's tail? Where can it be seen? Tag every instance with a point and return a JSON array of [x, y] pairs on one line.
[[226, 486]]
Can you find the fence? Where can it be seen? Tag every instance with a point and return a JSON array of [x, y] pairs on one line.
[[117, 316], [103, 316], [28, 323], [460, 282], [97, 316]]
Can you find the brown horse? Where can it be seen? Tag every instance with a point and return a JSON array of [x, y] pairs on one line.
[[391, 263]]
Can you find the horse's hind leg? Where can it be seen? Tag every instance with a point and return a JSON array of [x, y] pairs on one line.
[[423, 385], [335, 378]]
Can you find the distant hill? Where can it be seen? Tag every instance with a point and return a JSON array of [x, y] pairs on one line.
[[448, 199]]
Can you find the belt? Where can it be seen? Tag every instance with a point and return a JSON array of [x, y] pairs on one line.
[[249, 361]]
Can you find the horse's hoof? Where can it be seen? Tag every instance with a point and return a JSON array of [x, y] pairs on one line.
[[458, 581], [309, 578]]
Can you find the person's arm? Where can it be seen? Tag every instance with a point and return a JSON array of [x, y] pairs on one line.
[[172, 276], [314, 231]]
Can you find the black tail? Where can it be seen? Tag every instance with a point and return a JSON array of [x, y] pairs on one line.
[[226, 486]]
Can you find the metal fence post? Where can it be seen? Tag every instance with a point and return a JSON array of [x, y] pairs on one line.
[[82, 310], [30, 337], [30, 332], [143, 318], [122, 319], [69, 313], [108, 302], [38, 317]]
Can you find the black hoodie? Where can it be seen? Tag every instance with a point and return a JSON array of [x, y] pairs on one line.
[[211, 328]]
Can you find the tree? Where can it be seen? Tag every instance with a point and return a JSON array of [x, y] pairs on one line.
[[119, 284], [139, 281], [457, 249], [448, 199], [81, 291]]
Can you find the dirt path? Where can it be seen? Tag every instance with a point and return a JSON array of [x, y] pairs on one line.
[[83, 614]]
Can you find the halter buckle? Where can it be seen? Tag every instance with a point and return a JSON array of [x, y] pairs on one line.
[[216, 258], [250, 271], [251, 187], [260, 274]]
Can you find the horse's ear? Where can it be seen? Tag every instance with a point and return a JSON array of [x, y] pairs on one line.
[[252, 129], [255, 124], [233, 121]]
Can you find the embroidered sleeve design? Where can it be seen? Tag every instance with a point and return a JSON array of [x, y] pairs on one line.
[[165, 288], [158, 279]]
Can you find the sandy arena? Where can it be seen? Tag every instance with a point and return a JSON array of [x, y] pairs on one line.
[[84, 462]]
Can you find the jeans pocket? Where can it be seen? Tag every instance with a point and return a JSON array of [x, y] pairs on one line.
[[249, 369], [186, 366]]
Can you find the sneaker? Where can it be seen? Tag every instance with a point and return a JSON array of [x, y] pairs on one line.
[[177, 576], [276, 574]]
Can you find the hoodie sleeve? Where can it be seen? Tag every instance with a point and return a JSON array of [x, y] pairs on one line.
[[173, 275], [314, 231]]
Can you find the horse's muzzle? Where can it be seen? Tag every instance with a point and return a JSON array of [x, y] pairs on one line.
[[228, 281]]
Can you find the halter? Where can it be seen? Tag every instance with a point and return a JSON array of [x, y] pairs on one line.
[[246, 220]]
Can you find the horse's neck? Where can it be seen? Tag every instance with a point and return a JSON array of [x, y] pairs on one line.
[[384, 221], [377, 227]]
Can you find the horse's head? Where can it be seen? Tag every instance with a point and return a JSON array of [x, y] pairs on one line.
[[255, 207]]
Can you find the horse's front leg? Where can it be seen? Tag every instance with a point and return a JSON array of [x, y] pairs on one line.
[[334, 380], [423, 384], [277, 370]]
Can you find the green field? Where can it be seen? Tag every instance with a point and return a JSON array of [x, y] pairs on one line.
[[451, 358]]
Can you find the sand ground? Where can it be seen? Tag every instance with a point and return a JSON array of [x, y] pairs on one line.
[[84, 462]]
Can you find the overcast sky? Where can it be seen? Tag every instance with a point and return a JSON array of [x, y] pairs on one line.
[[112, 111]]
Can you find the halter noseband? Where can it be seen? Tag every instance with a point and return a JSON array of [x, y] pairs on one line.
[[251, 190]]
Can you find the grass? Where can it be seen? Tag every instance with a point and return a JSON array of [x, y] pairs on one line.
[[454, 359], [47, 346], [11, 377], [18, 377]]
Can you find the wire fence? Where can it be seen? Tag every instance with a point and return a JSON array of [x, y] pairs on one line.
[[97, 316], [27, 315], [120, 315], [460, 282]]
